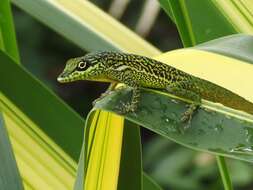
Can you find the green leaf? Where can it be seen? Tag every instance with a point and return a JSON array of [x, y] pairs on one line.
[[167, 7], [130, 156], [9, 175], [7, 33], [233, 14], [209, 131], [149, 184], [102, 145], [130, 164], [226, 46], [197, 21], [214, 128], [238, 14], [49, 106], [79, 182], [201, 21], [130, 174], [86, 25], [25, 107]]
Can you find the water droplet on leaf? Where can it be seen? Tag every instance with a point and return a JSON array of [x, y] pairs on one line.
[[219, 127], [174, 101]]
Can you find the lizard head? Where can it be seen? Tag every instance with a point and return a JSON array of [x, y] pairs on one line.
[[87, 67], [74, 70]]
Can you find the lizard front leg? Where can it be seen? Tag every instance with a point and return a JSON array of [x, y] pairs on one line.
[[133, 104], [181, 92], [127, 77], [108, 91]]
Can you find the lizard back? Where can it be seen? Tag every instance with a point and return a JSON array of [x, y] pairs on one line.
[[154, 74]]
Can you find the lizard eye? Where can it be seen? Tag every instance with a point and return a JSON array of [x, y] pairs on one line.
[[81, 65]]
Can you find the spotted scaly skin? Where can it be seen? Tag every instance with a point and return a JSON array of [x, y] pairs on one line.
[[138, 71]]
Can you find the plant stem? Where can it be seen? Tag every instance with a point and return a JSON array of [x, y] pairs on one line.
[[224, 173]]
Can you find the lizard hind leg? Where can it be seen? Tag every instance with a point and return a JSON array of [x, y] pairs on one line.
[[183, 93]]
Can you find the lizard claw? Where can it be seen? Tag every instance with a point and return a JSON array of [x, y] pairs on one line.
[[186, 116]]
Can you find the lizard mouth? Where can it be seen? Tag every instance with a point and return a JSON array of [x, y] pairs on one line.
[[68, 77], [63, 78]]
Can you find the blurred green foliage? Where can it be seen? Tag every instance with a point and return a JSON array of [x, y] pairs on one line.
[[44, 53]]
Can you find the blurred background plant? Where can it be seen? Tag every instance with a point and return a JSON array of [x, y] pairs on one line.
[[43, 53]]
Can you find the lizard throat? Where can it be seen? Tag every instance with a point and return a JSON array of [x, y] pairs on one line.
[[66, 79]]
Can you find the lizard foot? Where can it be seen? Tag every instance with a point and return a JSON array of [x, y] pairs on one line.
[[127, 108], [101, 97], [187, 115], [107, 92], [95, 101]]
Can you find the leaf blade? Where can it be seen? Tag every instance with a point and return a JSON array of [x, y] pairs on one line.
[[162, 115], [93, 24], [9, 175]]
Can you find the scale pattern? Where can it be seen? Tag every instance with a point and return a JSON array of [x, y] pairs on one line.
[[139, 71]]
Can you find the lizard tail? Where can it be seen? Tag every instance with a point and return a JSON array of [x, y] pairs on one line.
[[218, 94]]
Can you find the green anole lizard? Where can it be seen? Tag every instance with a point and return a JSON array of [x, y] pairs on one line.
[[137, 71]]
